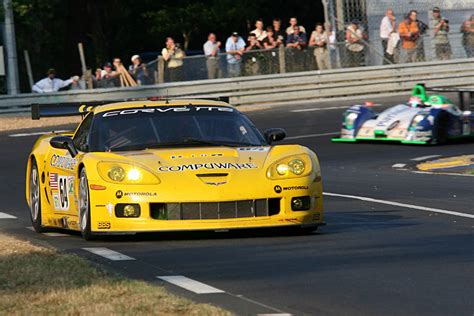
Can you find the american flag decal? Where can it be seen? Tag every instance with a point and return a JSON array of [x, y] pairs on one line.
[[53, 181]]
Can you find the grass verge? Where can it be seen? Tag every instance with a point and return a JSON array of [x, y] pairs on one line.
[[16, 122], [40, 281]]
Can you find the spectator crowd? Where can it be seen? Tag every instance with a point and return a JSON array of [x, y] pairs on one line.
[[401, 42]]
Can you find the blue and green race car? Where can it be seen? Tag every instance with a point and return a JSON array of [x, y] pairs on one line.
[[424, 119]]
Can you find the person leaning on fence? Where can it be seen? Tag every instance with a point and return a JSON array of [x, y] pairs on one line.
[[467, 30], [234, 48], [211, 51], [440, 27], [355, 45], [409, 33], [387, 28], [297, 39], [173, 56], [319, 39], [252, 59], [50, 83], [269, 42]]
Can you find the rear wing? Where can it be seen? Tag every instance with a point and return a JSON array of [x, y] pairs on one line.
[[71, 109], [466, 95], [62, 109]]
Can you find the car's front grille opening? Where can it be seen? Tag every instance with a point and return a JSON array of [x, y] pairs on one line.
[[215, 210]]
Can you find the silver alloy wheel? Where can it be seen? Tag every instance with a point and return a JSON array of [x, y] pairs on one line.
[[83, 201], [34, 193]]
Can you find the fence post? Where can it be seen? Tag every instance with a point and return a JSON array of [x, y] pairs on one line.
[[282, 58], [161, 70], [28, 69]]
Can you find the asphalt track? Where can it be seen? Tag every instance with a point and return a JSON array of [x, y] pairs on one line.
[[400, 258]]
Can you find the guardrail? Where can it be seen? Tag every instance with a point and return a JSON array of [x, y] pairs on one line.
[[290, 87]]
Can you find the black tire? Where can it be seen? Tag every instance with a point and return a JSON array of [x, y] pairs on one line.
[[84, 207], [442, 130], [35, 198]]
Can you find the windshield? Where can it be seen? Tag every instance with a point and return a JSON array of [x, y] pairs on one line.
[[160, 127]]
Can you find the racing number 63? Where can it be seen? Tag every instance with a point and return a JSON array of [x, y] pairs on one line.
[[63, 193]]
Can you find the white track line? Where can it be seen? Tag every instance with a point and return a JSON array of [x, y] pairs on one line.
[[34, 134], [313, 135], [424, 157], [399, 165], [109, 254], [326, 108], [414, 207], [190, 284], [6, 216]]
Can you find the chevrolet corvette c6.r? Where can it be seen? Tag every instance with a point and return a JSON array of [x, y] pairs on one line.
[[171, 165]]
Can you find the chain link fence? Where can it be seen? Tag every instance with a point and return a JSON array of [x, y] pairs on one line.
[[369, 14]]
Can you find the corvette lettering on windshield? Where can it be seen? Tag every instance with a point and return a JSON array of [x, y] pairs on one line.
[[209, 166], [167, 109]]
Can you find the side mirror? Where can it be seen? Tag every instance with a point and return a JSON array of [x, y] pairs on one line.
[[64, 142], [274, 135]]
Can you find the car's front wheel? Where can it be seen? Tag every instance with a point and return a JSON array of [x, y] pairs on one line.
[[35, 198], [84, 206]]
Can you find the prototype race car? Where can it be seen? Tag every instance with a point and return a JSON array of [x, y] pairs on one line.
[[171, 165], [422, 120]]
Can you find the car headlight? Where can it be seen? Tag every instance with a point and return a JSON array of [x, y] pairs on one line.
[[290, 167], [118, 172]]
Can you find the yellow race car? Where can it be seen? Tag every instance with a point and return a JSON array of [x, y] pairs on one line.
[[168, 165]]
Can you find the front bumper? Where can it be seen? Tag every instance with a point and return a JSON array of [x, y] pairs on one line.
[[280, 214]]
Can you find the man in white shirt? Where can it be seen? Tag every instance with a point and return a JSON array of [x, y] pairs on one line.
[[259, 32], [50, 83], [387, 27], [211, 51], [234, 48]]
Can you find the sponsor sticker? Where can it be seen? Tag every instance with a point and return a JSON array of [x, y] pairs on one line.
[[63, 162], [209, 166], [57, 204], [279, 189]]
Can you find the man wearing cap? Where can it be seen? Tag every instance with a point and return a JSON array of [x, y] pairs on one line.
[[211, 51], [234, 48], [50, 83], [440, 27], [138, 70]]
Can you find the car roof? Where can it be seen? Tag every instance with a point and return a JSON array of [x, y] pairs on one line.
[[167, 103]]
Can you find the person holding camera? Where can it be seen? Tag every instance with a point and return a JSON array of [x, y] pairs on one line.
[[173, 56], [409, 33], [440, 27]]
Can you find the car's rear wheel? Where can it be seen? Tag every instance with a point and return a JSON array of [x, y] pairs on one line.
[[442, 130], [84, 207], [35, 198]]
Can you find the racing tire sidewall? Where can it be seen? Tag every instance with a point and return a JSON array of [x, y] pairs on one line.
[[35, 198], [84, 207], [442, 130]]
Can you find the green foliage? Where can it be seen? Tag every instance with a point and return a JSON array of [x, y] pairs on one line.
[[51, 29]]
